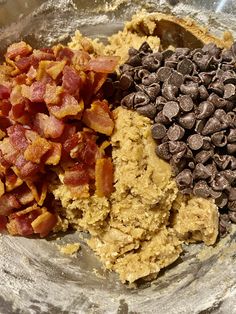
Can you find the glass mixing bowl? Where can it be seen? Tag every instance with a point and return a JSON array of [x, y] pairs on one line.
[[34, 276]]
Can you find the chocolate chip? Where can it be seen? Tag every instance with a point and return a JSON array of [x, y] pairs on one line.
[[185, 66], [162, 151], [232, 136], [219, 139], [141, 99], [232, 163], [231, 148], [185, 103], [163, 73], [177, 165], [229, 77], [191, 165], [171, 64], [212, 125], [230, 175], [190, 89], [181, 52], [126, 81], [203, 93], [201, 60], [141, 73], [199, 126], [220, 183], [201, 189], [128, 101], [158, 131], [203, 156], [167, 53], [150, 79], [230, 92], [216, 87], [206, 77], [222, 161], [187, 120], [126, 68], [217, 101], [184, 179], [151, 63], [175, 132], [171, 109], [153, 91], [201, 172], [232, 194], [160, 118], [195, 141], [160, 101], [170, 92], [134, 59], [222, 201], [148, 111], [232, 214], [211, 49], [145, 47], [177, 146], [232, 206], [132, 51], [205, 110], [207, 143], [176, 79]]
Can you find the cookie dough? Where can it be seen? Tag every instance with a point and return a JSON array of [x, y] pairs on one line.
[[141, 228]]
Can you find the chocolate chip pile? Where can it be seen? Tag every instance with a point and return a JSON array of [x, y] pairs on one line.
[[190, 95]]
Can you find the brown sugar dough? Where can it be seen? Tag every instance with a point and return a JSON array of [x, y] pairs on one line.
[[139, 229]]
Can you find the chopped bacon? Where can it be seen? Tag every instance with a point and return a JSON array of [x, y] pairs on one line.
[[2, 134], [5, 107], [98, 118], [40, 55], [17, 111], [3, 223], [103, 64], [48, 126], [64, 53], [4, 92], [17, 137], [55, 68], [81, 59], [77, 175], [24, 63], [44, 223], [99, 80], [34, 92], [27, 169], [104, 177], [24, 195], [2, 188], [18, 49], [53, 94], [12, 181], [8, 152], [16, 96], [69, 107], [36, 150], [53, 156], [8, 203], [71, 81], [31, 74]]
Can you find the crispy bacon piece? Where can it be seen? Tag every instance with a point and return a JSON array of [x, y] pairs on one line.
[[36, 150], [63, 53], [18, 49], [4, 92], [103, 64], [71, 81], [24, 63], [53, 94], [53, 156], [2, 188], [48, 126], [27, 169], [8, 152], [98, 118], [12, 180], [16, 96], [34, 92], [23, 195], [55, 68], [99, 80], [8, 203], [104, 177], [43, 54], [81, 59], [69, 107], [5, 107], [17, 137], [3, 223], [77, 175], [44, 223]]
